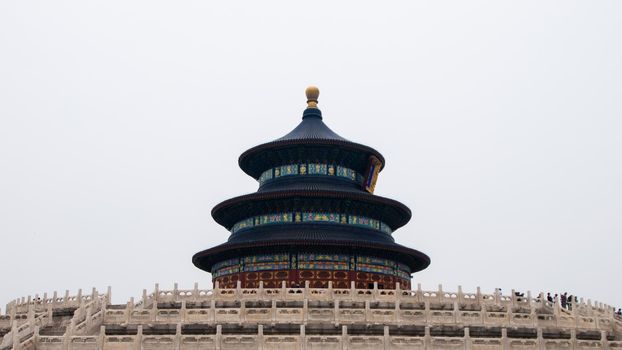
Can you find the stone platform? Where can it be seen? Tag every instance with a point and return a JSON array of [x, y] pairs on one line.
[[306, 318]]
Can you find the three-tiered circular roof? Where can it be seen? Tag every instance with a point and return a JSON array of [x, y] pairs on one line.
[[311, 171]]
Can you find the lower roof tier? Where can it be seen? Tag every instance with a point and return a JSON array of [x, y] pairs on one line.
[[317, 241]]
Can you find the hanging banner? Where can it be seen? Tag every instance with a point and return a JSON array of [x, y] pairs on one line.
[[372, 174]]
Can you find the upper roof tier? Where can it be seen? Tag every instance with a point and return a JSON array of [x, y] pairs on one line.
[[311, 141]]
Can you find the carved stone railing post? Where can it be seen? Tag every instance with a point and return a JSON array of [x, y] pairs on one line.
[[12, 315], [540, 340], [138, 341], [273, 310], [156, 293], [532, 312], [89, 316], [242, 311], [352, 289], [130, 310], [305, 310], [15, 336], [154, 311], [238, 289], [213, 307], [367, 312], [573, 338], [387, 338], [183, 311], [427, 338], [510, 313], [79, 297], [68, 334], [468, 344], [303, 338], [260, 339], [35, 337], [261, 291], [195, 292], [101, 339], [460, 295], [428, 314], [345, 340], [337, 317], [178, 335], [175, 292], [218, 337], [306, 290]]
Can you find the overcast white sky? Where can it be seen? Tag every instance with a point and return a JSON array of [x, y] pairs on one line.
[[121, 123]]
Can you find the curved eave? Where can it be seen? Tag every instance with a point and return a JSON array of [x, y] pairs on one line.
[[391, 212], [249, 160], [415, 259]]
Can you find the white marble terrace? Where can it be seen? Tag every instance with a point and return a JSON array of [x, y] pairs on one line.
[[306, 318]]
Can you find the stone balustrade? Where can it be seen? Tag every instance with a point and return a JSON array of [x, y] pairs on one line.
[[265, 339], [42, 304], [311, 318]]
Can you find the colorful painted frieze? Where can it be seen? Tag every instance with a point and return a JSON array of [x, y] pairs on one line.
[[376, 261], [265, 258], [313, 169], [283, 265], [322, 257], [225, 271], [289, 217], [224, 263], [247, 223], [323, 265], [317, 169], [265, 176], [320, 217], [375, 269]]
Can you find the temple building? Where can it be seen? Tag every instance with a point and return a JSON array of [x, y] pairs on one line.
[[314, 217], [310, 264]]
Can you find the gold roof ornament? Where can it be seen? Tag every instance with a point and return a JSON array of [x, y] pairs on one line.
[[312, 93]]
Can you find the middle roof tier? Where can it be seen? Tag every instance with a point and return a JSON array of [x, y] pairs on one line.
[[320, 199]]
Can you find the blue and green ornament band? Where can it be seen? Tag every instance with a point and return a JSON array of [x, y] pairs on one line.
[[310, 169], [311, 217], [311, 261]]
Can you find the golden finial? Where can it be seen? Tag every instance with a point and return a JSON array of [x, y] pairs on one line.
[[312, 93]]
